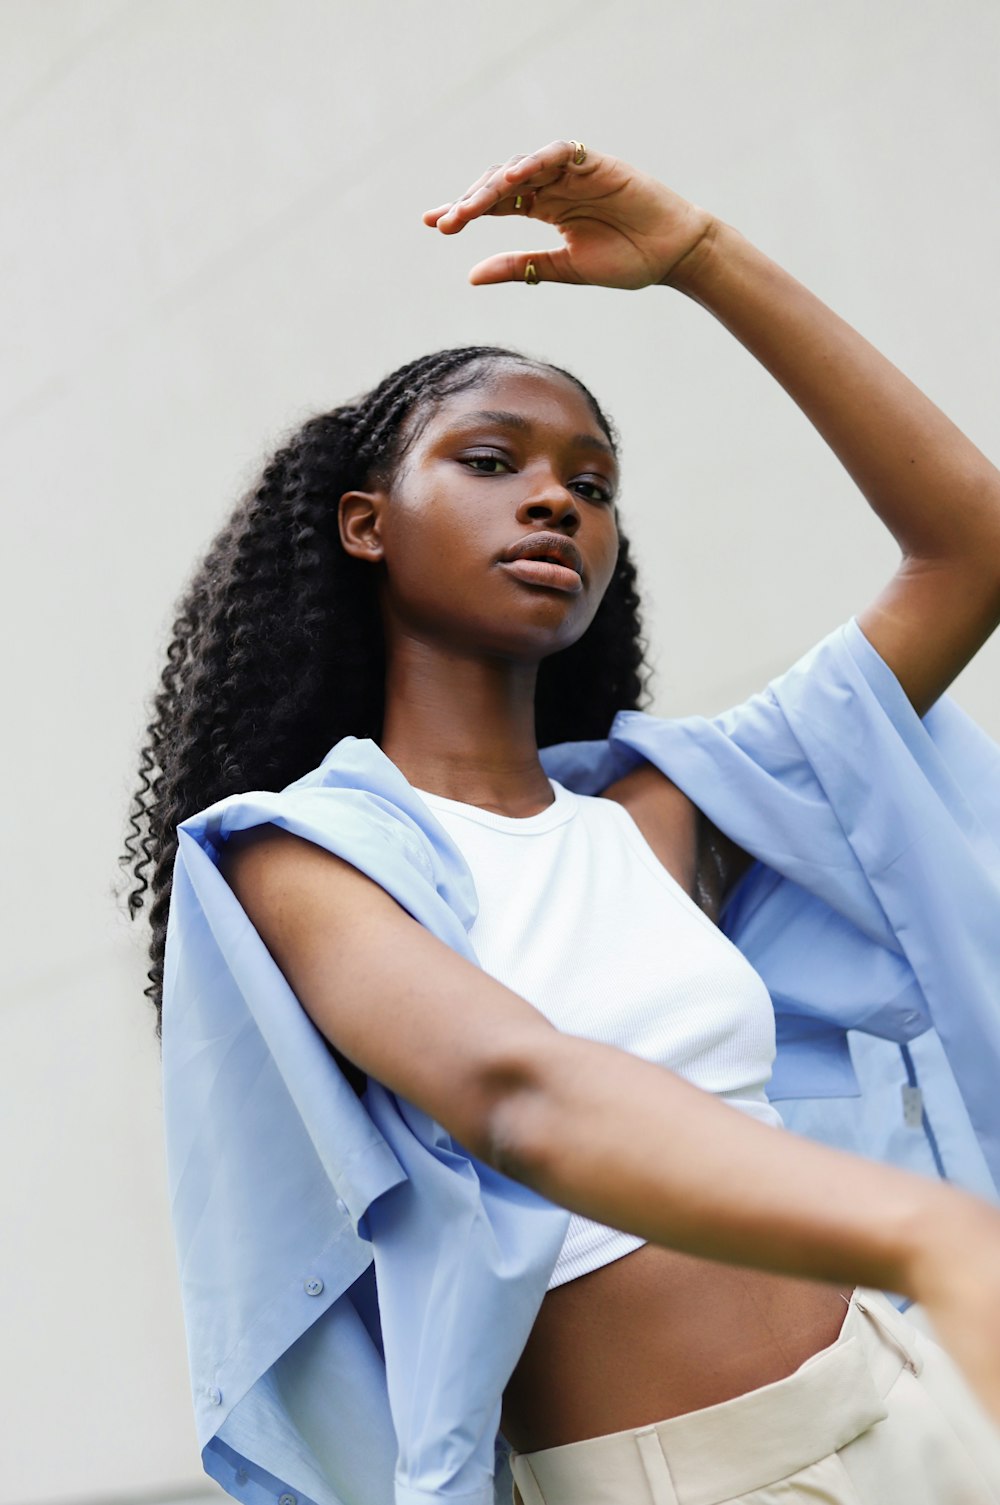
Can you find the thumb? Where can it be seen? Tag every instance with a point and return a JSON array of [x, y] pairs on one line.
[[510, 266]]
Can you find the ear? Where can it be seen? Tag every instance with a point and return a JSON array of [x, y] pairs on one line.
[[359, 518]]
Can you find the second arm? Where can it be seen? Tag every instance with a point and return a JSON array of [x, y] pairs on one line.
[[934, 490]]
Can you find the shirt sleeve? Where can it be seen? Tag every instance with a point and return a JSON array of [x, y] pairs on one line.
[[273, 1166], [874, 904], [356, 1287]]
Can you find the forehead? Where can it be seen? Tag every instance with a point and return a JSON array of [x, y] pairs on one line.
[[540, 396]]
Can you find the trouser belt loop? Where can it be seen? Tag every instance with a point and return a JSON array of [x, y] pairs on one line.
[[894, 1327], [661, 1485]]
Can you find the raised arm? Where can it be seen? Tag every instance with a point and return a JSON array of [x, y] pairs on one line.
[[602, 1132], [935, 491]]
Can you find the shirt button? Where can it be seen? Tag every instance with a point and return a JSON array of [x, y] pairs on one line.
[[341, 1205], [241, 1476], [314, 1286], [215, 1396], [287, 1500]]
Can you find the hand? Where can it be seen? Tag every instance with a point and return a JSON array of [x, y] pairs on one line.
[[621, 227], [956, 1279]]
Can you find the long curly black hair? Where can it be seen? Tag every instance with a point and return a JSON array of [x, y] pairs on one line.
[[278, 651]]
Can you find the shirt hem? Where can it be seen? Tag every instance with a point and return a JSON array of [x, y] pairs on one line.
[[408, 1494]]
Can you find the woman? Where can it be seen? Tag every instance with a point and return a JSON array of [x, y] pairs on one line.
[[439, 568]]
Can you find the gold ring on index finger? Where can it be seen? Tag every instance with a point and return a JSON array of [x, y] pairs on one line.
[[579, 153], [530, 274]]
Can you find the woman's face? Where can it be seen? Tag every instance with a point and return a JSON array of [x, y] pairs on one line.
[[517, 455]]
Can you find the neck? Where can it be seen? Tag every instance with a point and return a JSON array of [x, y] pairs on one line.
[[465, 728]]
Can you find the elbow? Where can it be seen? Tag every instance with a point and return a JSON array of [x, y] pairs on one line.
[[518, 1125]]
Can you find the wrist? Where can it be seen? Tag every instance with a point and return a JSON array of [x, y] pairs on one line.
[[953, 1232], [699, 267]]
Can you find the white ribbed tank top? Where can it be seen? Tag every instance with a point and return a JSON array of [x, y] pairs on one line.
[[578, 915]]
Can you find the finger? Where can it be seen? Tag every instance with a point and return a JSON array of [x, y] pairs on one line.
[[515, 203], [510, 266], [557, 157], [495, 174], [533, 170], [494, 186], [484, 178]]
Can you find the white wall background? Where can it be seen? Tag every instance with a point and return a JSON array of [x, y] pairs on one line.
[[210, 227]]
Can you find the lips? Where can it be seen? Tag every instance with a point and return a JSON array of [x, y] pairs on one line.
[[551, 546], [546, 559]]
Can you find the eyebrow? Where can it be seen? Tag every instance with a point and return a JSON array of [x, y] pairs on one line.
[[518, 421]]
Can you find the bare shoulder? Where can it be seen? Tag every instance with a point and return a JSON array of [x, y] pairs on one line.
[[254, 837], [706, 863]]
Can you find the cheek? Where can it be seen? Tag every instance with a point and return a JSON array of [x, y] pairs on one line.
[[433, 567], [611, 563], [437, 533]]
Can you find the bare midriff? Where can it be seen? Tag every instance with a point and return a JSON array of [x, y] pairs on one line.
[[657, 1334]]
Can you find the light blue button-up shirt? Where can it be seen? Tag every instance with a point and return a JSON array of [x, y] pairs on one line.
[[357, 1287]]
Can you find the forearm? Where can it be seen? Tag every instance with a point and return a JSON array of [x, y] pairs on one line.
[[627, 1143], [935, 491]]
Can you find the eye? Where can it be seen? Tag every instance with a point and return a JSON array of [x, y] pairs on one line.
[[604, 493], [480, 462], [488, 463]]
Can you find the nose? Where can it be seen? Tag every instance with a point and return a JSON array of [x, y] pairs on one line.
[[550, 501]]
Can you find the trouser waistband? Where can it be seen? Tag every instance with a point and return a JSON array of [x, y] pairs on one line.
[[707, 1456]]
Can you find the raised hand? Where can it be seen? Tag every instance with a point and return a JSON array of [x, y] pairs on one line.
[[956, 1279], [621, 227]]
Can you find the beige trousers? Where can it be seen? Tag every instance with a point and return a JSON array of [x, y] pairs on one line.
[[881, 1417]]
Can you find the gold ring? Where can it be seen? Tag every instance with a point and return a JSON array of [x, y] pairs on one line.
[[518, 202], [530, 275], [579, 152]]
